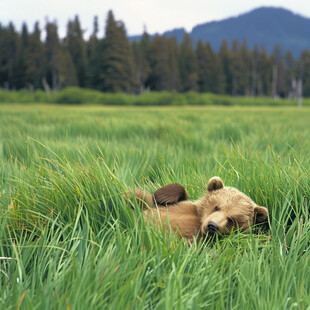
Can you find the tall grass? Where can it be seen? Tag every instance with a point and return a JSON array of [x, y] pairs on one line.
[[74, 243]]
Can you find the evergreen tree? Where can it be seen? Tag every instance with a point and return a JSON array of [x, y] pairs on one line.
[[117, 65], [76, 47], [188, 65], [94, 49], [9, 41], [173, 65], [264, 85], [60, 70], [225, 60], [21, 79], [203, 63], [304, 71], [141, 65], [278, 78], [158, 78], [210, 76], [35, 59], [291, 75], [254, 70], [163, 62], [246, 69], [67, 72]]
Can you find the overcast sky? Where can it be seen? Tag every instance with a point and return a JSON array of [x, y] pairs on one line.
[[156, 15]]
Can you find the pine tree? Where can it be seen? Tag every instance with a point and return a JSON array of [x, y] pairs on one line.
[[291, 75], [278, 81], [21, 79], [304, 71], [76, 47], [209, 72], [225, 60], [173, 65], [9, 41], [117, 66], [188, 65], [158, 78], [35, 55], [264, 86], [60, 70], [141, 65], [254, 70], [246, 69], [163, 60], [67, 71], [94, 49]]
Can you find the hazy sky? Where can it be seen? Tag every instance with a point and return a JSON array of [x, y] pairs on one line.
[[156, 15]]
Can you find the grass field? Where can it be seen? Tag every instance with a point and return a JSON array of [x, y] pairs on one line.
[[75, 244]]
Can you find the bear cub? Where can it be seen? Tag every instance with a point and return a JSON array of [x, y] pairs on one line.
[[220, 210]]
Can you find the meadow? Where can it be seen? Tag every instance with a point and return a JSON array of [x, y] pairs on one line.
[[69, 241]]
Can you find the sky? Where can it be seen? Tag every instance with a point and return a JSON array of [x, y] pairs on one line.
[[156, 15]]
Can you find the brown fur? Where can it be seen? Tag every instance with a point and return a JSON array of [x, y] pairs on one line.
[[220, 210]]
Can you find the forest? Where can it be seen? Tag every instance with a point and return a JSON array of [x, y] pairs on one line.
[[42, 60]]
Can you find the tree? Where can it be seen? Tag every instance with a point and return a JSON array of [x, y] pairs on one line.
[[304, 71], [278, 79], [173, 65], [210, 76], [94, 49], [246, 69], [264, 81], [76, 47], [163, 62], [291, 75], [8, 56], [141, 65], [225, 60], [254, 70], [188, 65], [117, 66], [34, 59], [21, 79], [60, 70]]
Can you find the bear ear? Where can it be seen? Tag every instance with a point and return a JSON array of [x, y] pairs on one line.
[[170, 194], [260, 214], [215, 183]]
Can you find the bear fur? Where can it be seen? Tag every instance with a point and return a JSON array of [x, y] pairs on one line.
[[219, 211]]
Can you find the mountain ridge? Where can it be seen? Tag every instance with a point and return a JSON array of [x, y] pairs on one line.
[[263, 26]]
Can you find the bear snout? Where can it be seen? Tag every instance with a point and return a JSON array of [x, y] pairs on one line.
[[212, 228]]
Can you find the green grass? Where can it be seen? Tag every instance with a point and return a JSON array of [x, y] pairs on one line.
[[82, 96], [75, 244]]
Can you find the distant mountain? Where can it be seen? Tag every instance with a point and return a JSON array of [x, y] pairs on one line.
[[265, 26]]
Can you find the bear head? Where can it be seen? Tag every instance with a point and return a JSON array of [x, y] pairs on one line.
[[223, 209]]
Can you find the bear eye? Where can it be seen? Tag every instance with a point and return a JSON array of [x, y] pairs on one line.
[[216, 208], [230, 220]]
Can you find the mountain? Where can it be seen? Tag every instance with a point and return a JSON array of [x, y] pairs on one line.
[[265, 26]]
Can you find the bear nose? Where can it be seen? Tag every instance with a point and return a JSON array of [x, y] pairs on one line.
[[212, 227]]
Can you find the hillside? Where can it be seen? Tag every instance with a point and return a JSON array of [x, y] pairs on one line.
[[265, 26]]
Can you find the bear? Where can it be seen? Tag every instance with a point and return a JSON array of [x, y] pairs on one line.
[[219, 211]]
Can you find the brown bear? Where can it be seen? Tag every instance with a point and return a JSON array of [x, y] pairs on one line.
[[220, 210]]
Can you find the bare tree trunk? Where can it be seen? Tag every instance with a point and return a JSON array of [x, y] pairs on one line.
[[274, 82], [253, 82], [299, 91], [45, 85]]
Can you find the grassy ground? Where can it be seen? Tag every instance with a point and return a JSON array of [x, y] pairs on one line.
[[75, 245]]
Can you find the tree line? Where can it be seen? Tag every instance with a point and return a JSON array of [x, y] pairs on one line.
[[157, 63]]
